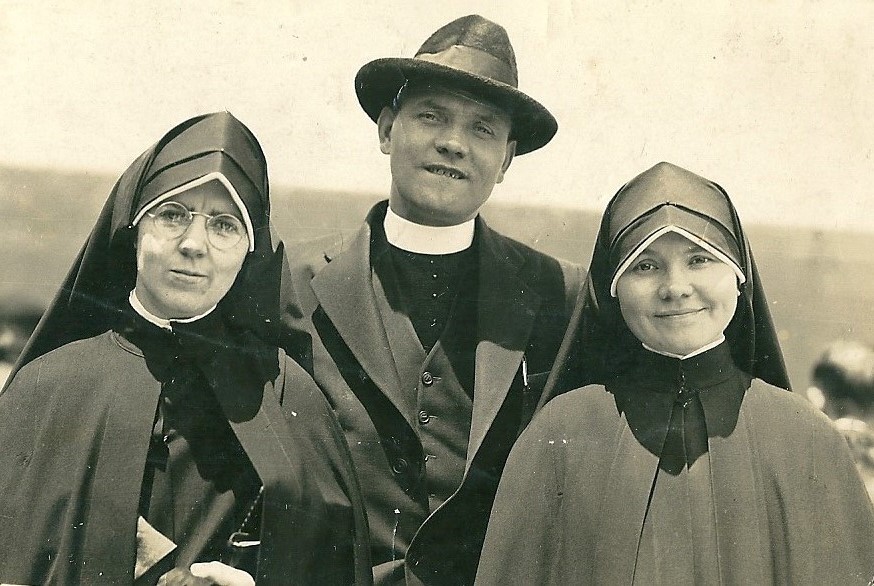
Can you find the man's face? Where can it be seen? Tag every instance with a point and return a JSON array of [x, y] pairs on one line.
[[448, 150]]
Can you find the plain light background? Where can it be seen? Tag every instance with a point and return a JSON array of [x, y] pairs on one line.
[[773, 100]]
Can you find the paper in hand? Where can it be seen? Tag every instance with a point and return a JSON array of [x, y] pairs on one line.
[[152, 547]]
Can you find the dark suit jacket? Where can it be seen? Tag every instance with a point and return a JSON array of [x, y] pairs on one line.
[[332, 321]]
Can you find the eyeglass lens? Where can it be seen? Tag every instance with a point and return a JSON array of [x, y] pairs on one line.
[[222, 230]]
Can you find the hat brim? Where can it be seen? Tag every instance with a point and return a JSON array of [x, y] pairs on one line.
[[377, 83]]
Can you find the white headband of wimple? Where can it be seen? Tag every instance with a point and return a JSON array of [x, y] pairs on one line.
[[215, 175], [682, 232]]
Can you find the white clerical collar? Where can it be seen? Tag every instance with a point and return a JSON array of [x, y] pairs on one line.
[[700, 350], [413, 237], [160, 321]]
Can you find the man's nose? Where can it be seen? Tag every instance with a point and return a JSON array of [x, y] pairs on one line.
[[451, 141]]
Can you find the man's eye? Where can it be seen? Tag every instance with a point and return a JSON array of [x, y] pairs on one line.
[[483, 129], [429, 116]]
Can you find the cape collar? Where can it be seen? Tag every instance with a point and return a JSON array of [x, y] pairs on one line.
[[661, 373]]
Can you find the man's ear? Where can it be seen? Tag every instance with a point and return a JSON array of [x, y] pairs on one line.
[[508, 158], [383, 126]]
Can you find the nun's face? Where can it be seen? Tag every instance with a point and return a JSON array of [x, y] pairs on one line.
[[185, 276], [677, 297]]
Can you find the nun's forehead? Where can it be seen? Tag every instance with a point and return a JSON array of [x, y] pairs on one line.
[[690, 237], [214, 184]]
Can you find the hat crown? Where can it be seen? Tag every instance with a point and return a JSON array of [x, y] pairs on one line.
[[470, 54], [475, 32]]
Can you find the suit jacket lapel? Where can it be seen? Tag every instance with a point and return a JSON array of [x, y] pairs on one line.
[[506, 309], [345, 291]]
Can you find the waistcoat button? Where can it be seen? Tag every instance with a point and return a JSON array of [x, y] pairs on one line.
[[424, 418], [427, 379], [399, 466]]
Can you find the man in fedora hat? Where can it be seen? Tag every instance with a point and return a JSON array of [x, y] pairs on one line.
[[432, 334]]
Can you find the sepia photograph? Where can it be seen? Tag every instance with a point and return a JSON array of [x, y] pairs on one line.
[[551, 292]]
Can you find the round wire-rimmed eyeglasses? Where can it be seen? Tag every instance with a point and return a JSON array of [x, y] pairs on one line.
[[222, 230]]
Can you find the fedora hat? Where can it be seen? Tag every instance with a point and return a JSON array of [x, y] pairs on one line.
[[472, 54]]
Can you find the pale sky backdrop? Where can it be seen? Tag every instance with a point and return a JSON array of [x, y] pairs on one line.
[[773, 100]]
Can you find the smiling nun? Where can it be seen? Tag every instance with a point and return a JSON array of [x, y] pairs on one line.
[[154, 431], [683, 458]]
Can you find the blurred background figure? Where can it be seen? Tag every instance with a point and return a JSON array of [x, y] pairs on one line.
[[18, 318], [842, 385]]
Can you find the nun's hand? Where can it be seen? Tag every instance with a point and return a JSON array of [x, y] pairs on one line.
[[222, 575], [207, 574], [182, 577]]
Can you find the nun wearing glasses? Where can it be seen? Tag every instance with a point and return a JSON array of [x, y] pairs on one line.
[[153, 432], [682, 458]]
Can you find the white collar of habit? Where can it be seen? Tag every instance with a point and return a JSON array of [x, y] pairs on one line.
[[160, 321], [700, 350], [420, 239]]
